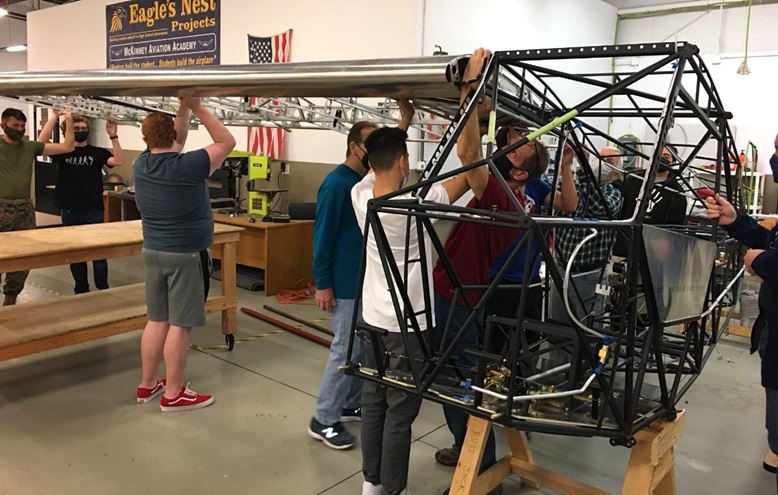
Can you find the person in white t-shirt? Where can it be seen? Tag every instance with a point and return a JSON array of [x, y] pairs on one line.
[[388, 413]]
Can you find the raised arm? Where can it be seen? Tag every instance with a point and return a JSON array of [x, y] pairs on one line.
[[223, 140], [68, 145], [469, 141], [567, 196], [406, 114], [48, 128], [181, 125], [117, 160]]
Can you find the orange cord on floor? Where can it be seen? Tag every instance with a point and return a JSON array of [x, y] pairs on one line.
[[297, 296]]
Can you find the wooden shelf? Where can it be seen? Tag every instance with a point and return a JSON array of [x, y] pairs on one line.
[[52, 323]]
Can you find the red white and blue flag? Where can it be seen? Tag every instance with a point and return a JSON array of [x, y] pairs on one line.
[[268, 141]]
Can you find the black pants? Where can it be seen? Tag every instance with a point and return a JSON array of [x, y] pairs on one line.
[[80, 271], [505, 303], [387, 416]]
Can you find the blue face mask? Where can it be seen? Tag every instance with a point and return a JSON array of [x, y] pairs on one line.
[[774, 166]]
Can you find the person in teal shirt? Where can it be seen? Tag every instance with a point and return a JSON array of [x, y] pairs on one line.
[[337, 245]]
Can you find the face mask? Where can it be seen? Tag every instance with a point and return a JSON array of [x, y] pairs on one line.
[[600, 172], [14, 135], [81, 136], [774, 166], [365, 159], [405, 178], [664, 164]]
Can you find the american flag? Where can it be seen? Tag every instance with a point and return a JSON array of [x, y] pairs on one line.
[[268, 141]]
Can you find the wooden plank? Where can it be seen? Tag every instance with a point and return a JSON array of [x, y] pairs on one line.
[[662, 435], [520, 449], [29, 249], [739, 330], [667, 485], [559, 482], [662, 470], [229, 288], [469, 462], [243, 221], [40, 326], [492, 477], [640, 470], [652, 456], [27, 322]]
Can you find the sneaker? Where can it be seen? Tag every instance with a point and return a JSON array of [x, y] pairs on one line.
[[371, 489], [351, 415], [448, 457], [335, 436], [186, 400], [145, 395]]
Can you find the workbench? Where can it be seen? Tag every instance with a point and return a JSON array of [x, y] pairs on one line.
[[119, 206], [283, 250], [52, 323]]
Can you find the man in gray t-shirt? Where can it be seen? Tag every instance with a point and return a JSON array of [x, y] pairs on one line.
[[172, 196]]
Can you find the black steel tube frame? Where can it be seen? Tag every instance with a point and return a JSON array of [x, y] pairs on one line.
[[640, 341]]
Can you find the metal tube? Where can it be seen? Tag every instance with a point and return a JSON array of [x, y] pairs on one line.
[[299, 320], [551, 395], [414, 77], [287, 327]]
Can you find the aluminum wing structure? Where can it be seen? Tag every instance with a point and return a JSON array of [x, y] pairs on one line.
[[611, 369], [306, 95], [624, 363]]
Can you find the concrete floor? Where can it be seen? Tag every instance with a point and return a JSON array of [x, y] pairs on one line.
[[69, 422]]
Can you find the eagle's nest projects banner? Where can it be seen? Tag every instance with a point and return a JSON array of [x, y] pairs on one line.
[[144, 34]]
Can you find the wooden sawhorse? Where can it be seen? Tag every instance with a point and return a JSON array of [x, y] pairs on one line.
[[651, 468]]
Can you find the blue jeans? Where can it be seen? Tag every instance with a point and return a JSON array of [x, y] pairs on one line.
[[337, 389], [79, 270], [456, 419]]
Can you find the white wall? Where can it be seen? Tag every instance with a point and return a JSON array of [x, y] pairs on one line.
[[720, 35], [12, 31], [331, 30], [460, 26]]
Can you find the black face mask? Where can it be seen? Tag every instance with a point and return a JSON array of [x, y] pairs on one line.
[[365, 159], [14, 135], [81, 136], [664, 164]]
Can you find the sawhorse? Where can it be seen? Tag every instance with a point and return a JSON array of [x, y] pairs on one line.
[[651, 468]]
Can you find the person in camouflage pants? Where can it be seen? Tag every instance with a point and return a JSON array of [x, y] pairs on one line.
[[15, 214], [17, 156]]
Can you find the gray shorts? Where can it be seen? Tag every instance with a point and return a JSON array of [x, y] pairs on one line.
[[177, 286]]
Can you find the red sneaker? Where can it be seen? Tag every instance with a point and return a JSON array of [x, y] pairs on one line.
[[186, 400], [147, 394]]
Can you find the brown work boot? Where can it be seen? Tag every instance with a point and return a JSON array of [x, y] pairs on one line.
[[10, 300]]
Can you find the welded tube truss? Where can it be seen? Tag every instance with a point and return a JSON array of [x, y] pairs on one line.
[[628, 366], [337, 114]]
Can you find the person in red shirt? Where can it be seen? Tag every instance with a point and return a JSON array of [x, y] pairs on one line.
[[476, 250]]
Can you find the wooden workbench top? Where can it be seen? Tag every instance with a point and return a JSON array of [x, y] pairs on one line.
[[243, 221], [26, 243]]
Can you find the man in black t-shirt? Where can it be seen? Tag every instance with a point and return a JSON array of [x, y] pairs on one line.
[[79, 190], [666, 201]]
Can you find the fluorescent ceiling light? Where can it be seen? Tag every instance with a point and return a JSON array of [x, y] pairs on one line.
[[17, 48], [3, 12]]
